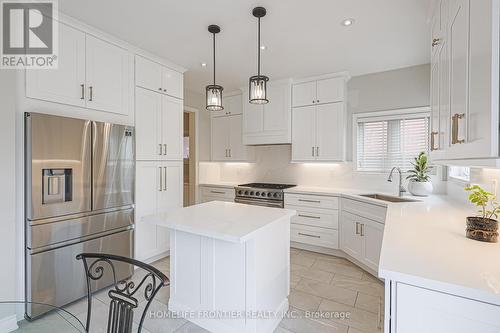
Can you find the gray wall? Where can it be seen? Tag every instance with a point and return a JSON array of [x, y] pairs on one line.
[[397, 89], [197, 101]]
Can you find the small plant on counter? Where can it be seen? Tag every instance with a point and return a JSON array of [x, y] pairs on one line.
[[419, 179], [483, 227]]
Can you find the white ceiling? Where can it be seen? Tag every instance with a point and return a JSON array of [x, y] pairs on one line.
[[302, 37]]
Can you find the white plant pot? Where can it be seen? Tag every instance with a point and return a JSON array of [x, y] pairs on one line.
[[420, 189]]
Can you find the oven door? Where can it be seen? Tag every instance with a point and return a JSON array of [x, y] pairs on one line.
[[259, 202]]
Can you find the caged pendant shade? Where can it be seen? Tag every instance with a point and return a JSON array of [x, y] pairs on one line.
[[214, 91], [257, 86]]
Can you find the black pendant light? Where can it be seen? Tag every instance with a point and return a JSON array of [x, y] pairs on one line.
[[258, 83], [214, 91]]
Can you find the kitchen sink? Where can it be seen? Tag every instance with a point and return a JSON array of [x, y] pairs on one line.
[[388, 198]]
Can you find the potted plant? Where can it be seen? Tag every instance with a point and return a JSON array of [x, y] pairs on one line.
[[419, 181], [483, 227]]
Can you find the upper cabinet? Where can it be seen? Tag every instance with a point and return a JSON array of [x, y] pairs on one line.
[[319, 120], [227, 144], [269, 123], [153, 76], [91, 73], [465, 80], [232, 104], [318, 92]]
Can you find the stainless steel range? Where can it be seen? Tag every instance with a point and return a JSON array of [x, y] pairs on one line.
[[261, 194]]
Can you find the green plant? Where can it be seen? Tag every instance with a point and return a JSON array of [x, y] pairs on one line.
[[481, 198], [420, 171]]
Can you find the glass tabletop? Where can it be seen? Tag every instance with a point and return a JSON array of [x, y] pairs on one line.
[[55, 320]]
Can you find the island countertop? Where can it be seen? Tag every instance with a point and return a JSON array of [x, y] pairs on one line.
[[228, 221]]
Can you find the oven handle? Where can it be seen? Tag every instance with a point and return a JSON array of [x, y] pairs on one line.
[[278, 204]]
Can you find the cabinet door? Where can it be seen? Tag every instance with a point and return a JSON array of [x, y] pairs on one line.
[[304, 133], [169, 198], [372, 233], [172, 128], [304, 94], [147, 189], [66, 84], [148, 74], [253, 118], [220, 138], [330, 90], [148, 107], [233, 105], [277, 111], [350, 239], [237, 151], [459, 68], [172, 82], [330, 132], [108, 76]]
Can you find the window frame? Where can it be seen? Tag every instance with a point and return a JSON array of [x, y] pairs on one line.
[[393, 114]]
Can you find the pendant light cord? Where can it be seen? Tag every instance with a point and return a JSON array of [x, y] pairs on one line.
[[214, 59], [258, 53]]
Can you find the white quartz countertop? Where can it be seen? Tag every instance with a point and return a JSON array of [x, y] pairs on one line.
[[228, 221]]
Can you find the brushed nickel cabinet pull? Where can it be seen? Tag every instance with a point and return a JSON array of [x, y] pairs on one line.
[[91, 93], [161, 151], [454, 128], [229, 152], [217, 192], [309, 216], [165, 178], [164, 149], [433, 141], [317, 151], [357, 228], [312, 151], [83, 91], [161, 179], [309, 235], [362, 233], [436, 41], [307, 200]]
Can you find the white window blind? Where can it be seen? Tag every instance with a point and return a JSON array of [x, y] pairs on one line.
[[386, 142]]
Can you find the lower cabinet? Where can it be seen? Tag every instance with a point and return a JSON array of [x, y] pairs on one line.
[[159, 188], [216, 193], [361, 237]]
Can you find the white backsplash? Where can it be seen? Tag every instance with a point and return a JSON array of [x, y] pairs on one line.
[[272, 164]]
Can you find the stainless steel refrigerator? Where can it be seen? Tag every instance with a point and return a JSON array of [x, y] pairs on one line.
[[79, 197]]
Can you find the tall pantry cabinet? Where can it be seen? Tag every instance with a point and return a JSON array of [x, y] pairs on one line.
[[159, 152]]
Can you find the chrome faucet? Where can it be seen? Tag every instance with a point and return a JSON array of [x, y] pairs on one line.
[[401, 188]]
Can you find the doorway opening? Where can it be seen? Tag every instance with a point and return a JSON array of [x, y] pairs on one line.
[[189, 157]]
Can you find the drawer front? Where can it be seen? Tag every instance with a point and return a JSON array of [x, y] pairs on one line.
[[372, 212], [314, 201], [218, 192], [324, 218], [314, 236]]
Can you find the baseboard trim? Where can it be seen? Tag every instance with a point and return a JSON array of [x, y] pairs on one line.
[[8, 324], [156, 257]]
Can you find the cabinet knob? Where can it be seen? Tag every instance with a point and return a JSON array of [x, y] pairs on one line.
[[159, 89], [317, 101], [164, 90], [314, 101]]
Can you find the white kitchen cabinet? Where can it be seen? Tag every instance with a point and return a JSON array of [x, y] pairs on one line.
[[92, 73], [153, 76], [158, 189], [269, 123], [227, 144], [66, 84], [108, 76], [415, 309], [158, 126], [216, 193], [465, 80], [350, 241], [360, 235], [318, 133], [232, 104], [321, 91]]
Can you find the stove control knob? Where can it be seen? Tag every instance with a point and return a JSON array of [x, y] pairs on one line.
[[252, 192], [269, 194], [240, 192], [275, 195], [263, 194], [246, 192]]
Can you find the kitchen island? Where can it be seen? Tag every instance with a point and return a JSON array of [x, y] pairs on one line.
[[229, 265]]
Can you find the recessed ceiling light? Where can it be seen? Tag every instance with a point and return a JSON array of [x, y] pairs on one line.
[[203, 64], [348, 22], [262, 47]]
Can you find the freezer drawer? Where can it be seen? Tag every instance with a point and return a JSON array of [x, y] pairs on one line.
[[58, 166], [55, 277], [113, 165], [71, 230]]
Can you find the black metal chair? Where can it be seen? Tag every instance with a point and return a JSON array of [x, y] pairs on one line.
[[123, 293]]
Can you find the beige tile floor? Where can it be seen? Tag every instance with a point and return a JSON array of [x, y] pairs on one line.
[[319, 283]]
